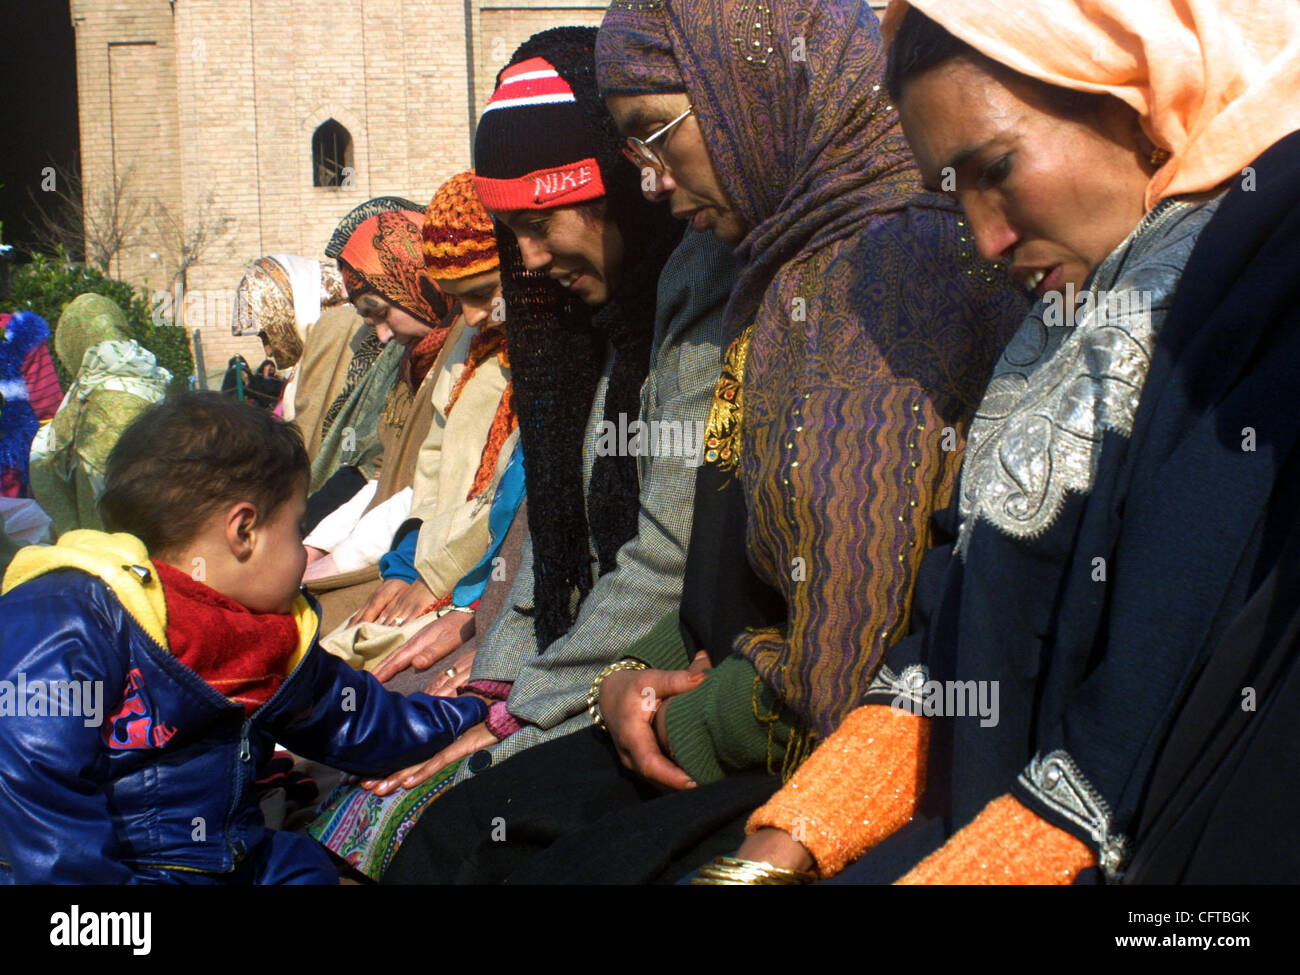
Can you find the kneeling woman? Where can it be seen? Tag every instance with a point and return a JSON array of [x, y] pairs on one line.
[[1105, 474]]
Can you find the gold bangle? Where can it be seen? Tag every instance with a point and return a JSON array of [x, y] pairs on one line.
[[730, 871], [593, 695]]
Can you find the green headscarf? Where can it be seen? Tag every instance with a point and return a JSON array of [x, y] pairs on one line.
[[114, 381], [353, 437], [87, 320]]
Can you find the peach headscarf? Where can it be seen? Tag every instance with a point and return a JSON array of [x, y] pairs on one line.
[[1216, 82]]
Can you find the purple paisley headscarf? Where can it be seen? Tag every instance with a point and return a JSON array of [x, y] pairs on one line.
[[791, 102], [838, 461]]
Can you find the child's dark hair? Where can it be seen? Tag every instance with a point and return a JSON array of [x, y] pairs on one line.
[[189, 456]]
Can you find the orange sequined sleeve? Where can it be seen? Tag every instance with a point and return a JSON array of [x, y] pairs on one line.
[[863, 783], [1005, 844]]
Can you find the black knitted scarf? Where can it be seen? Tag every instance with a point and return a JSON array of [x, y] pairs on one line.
[[557, 350]]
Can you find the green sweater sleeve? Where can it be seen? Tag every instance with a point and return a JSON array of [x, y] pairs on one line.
[[715, 729], [663, 647]]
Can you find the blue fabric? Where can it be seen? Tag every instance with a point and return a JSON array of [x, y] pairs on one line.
[[505, 505], [160, 783], [18, 423], [1183, 517], [399, 562]]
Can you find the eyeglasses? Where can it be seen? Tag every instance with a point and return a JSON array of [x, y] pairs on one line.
[[641, 153]]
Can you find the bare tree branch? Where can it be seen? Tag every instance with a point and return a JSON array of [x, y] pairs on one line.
[[186, 241], [99, 226]]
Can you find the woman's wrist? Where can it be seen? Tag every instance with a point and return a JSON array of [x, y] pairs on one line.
[[593, 695], [733, 871]]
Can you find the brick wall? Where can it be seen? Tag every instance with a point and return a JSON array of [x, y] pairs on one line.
[[210, 106]]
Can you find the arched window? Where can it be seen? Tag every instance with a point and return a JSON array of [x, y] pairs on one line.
[[331, 154]]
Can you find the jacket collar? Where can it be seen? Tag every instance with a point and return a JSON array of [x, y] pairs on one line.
[[122, 562]]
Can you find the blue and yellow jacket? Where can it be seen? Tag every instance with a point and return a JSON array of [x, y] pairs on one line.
[[161, 778]]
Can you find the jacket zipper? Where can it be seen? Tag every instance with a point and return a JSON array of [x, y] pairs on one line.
[[245, 750], [241, 773]]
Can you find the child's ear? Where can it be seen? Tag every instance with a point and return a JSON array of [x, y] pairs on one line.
[[241, 520]]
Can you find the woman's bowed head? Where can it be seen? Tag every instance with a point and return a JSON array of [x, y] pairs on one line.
[[665, 139], [1051, 179], [460, 252], [550, 189], [578, 247]]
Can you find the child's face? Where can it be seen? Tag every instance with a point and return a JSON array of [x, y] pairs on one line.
[[273, 571]]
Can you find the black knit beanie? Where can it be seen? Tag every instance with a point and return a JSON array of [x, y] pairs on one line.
[[557, 344]]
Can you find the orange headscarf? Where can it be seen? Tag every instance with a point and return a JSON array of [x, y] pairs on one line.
[[384, 254], [1216, 82]]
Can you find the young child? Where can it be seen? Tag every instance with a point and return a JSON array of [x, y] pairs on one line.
[[146, 675]]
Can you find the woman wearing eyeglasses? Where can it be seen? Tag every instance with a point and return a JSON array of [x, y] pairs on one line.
[[613, 319], [862, 331]]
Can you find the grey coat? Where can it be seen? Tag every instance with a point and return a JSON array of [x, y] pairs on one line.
[[550, 688]]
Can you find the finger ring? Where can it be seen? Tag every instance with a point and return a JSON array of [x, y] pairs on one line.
[[450, 671], [397, 620]]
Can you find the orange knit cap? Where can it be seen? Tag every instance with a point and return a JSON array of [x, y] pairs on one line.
[[458, 237]]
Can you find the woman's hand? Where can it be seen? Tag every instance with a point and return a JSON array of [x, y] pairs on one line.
[[379, 601], [417, 600], [629, 703], [439, 638], [777, 847], [470, 741], [459, 666]]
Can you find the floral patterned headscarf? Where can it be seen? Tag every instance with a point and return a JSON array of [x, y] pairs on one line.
[[385, 254]]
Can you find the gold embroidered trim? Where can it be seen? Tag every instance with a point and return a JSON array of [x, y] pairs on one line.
[[801, 744], [722, 433], [397, 407]]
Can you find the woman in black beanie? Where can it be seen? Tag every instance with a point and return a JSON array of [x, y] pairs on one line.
[[612, 315]]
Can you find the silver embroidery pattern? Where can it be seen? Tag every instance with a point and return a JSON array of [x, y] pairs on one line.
[[1056, 782], [1057, 390], [907, 686]]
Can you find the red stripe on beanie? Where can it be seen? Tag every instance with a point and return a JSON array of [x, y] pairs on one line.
[[531, 82]]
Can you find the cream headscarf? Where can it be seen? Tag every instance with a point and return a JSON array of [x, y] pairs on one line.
[[284, 296], [1216, 82]]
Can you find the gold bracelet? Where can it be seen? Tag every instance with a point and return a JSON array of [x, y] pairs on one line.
[[593, 695], [730, 871]]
